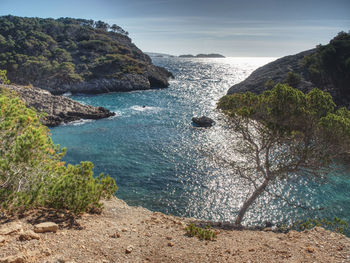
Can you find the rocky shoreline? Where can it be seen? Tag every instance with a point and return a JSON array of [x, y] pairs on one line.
[[59, 109], [155, 78]]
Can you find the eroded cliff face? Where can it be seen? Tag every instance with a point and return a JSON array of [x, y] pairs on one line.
[[59, 109], [277, 72], [154, 77]]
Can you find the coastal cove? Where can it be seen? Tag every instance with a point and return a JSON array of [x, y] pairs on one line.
[[161, 162]]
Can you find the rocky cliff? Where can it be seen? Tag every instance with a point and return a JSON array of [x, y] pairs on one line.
[[75, 55], [59, 109], [326, 67], [277, 72]]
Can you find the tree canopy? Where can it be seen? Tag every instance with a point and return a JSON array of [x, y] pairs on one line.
[[284, 133], [331, 64]]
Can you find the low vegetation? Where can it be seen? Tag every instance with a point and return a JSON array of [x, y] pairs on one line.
[[202, 233], [335, 225], [31, 171]]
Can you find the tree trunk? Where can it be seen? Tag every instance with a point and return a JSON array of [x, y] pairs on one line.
[[258, 191]]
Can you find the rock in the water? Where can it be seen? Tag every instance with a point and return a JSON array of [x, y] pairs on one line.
[[46, 227], [59, 109], [203, 121]]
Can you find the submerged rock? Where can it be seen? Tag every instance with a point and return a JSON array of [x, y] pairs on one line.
[[59, 109], [203, 121]]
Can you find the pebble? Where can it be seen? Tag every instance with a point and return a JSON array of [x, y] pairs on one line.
[[171, 244], [129, 249], [28, 235], [46, 227], [115, 235], [310, 249]]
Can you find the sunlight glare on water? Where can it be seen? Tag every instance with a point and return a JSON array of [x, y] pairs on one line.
[[160, 161]]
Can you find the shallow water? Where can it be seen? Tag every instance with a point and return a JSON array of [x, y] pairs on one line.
[[160, 161]]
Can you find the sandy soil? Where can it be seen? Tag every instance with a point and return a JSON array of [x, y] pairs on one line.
[[134, 234]]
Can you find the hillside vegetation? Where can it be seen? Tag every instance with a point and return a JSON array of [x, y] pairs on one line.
[[327, 67], [330, 66], [51, 53]]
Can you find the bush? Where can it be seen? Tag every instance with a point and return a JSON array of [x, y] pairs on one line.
[[202, 233], [335, 225], [31, 171], [3, 77], [293, 79]]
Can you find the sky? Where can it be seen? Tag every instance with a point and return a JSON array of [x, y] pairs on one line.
[[240, 28]]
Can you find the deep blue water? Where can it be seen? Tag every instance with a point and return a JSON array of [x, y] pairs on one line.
[[161, 162]]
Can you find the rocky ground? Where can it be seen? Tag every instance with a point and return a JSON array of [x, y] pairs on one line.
[[59, 109], [133, 234]]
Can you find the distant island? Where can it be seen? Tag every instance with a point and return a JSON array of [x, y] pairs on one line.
[[159, 55], [202, 56]]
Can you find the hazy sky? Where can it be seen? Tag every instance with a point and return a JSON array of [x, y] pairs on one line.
[[229, 27]]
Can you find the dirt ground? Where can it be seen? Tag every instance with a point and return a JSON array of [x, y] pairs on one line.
[[134, 234]]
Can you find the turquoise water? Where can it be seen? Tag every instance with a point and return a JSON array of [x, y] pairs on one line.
[[160, 161]]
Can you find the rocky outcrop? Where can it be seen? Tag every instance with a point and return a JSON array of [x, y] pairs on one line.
[[59, 109], [154, 77], [277, 72], [203, 121], [77, 56]]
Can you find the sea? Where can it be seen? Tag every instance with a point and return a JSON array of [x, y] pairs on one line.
[[162, 162]]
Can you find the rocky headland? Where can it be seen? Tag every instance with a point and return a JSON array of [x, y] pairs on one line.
[[75, 55], [58, 109], [277, 72], [326, 67]]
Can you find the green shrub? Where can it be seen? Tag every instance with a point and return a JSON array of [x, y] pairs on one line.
[[3, 77], [31, 171], [293, 79], [269, 84], [202, 233]]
